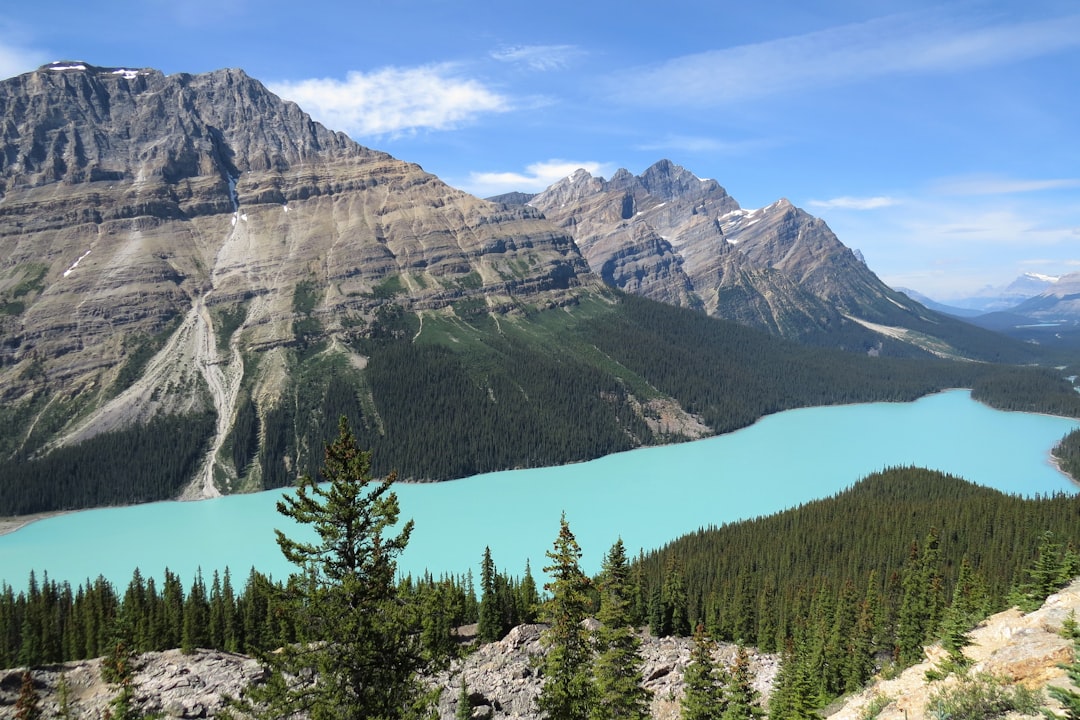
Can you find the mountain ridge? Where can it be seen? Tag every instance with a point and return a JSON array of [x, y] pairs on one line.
[[677, 238]]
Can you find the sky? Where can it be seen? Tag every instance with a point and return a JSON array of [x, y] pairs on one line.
[[940, 139]]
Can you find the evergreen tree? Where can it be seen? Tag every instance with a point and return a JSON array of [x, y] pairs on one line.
[[489, 627], [676, 618], [63, 698], [795, 694], [741, 698], [528, 597], [567, 693], [464, 704], [923, 602], [28, 704], [118, 669], [359, 652], [703, 697], [617, 670], [196, 617]]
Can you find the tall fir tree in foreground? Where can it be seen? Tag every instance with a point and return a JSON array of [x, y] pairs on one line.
[[617, 670], [568, 692], [358, 651]]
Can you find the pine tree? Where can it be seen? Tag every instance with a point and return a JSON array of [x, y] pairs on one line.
[[360, 650], [617, 670], [703, 697], [567, 693]]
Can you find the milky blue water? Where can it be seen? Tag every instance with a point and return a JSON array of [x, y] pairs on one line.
[[648, 496]]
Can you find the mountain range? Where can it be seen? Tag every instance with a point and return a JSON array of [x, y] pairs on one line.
[[192, 247], [1038, 309]]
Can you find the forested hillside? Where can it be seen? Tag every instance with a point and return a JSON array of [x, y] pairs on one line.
[[900, 559]]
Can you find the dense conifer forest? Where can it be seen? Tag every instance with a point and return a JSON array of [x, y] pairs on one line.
[[140, 464], [852, 581]]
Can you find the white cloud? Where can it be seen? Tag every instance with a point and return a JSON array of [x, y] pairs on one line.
[[394, 100], [537, 177], [916, 43], [854, 203], [539, 57], [15, 60], [991, 185]]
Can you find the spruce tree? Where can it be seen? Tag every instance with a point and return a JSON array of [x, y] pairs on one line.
[[617, 670], [703, 696], [359, 651], [489, 627], [742, 700], [528, 597], [567, 693], [464, 704]]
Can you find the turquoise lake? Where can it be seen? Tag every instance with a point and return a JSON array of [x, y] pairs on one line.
[[648, 496]]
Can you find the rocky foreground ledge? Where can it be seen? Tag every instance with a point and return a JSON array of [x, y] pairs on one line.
[[503, 682]]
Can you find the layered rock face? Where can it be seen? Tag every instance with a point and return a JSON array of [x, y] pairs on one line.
[[134, 203], [674, 237]]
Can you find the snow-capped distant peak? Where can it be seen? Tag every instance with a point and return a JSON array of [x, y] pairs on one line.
[[1043, 278]]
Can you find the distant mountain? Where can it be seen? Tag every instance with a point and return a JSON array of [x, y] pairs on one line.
[[674, 237], [1039, 309], [937, 306], [997, 299]]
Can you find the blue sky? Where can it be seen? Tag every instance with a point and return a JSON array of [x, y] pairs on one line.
[[940, 139]]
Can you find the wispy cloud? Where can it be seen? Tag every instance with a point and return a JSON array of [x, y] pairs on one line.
[[694, 144], [992, 185], [537, 176], [854, 203], [394, 100], [539, 57], [15, 60], [916, 43]]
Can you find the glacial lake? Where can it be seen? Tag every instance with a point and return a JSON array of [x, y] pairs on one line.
[[647, 496]]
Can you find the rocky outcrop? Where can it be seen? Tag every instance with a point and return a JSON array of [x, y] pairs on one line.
[[504, 678], [171, 684], [1018, 648]]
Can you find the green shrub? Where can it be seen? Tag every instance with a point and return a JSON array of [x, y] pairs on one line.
[[982, 696]]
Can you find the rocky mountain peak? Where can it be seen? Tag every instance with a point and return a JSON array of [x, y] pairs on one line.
[[135, 204]]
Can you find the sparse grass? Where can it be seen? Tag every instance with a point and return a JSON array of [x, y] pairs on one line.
[[878, 702]]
